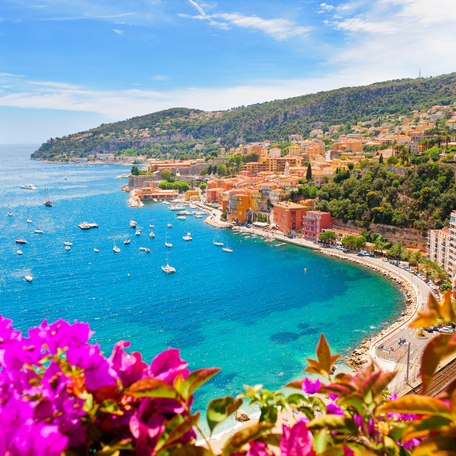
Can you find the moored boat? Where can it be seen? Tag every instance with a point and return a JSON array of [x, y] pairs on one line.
[[21, 241], [187, 237], [227, 249], [168, 269], [39, 231], [68, 243], [144, 249], [133, 223], [28, 278], [127, 241], [116, 249], [20, 252], [96, 250], [87, 225]]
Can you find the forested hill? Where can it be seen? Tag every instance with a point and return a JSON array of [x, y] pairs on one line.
[[177, 131]]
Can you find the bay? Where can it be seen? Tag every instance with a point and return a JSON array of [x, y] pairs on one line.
[[256, 312]]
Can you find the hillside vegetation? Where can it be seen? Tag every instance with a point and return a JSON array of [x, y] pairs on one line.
[[177, 131]]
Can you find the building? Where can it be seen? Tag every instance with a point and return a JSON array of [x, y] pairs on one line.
[[288, 216], [314, 223], [151, 192]]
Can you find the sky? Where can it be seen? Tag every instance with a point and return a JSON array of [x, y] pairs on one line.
[[70, 65]]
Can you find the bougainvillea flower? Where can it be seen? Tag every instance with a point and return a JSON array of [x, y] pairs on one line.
[[311, 387], [167, 365], [129, 368], [296, 441]]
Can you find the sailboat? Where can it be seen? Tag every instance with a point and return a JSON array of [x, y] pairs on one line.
[[115, 248], [47, 202], [167, 244], [167, 268]]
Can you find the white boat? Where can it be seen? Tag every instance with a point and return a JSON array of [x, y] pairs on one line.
[[152, 226], [133, 223], [68, 244], [152, 234], [176, 207], [87, 225], [168, 269], [187, 237], [127, 241], [280, 244], [116, 249], [169, 225], [199, 216], [67, 248], [182, 217], [218, 243], [144, 249], [227, 249], [28, 278], [137, 232], [28, 187], [21, 241], [9, 214], [20, 252], [168, 244], [29, 220], [39, 231], [96, 250], [47, 202]]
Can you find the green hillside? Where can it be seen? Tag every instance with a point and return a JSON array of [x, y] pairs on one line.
[[176, 131]]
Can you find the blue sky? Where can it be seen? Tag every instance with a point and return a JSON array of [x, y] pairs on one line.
[[69, 65]]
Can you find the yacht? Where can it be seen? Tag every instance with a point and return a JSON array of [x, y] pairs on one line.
[[47, 202], [96, 250], [168, 269], [227, 249], [127, 241], [133, 223], [218, 243], [38, 231], [182, 217], [21, 241], [68, 243], [28, 278], [87, 225], [187, 237], [144, 249], [28, 187], [168, 244], [20, 252]]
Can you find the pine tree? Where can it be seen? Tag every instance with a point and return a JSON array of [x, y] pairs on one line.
[[309, 173], [380, 159]]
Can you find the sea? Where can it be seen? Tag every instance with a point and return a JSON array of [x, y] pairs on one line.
[[257, 312]]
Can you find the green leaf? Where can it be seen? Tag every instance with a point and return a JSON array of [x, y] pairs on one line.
[[422, 405], [321, 440], [178, 431], [328, 422], [195, 380], [151, 387], [190, 450], [296, 398], [220, 409], [269, 414], [238, 440]]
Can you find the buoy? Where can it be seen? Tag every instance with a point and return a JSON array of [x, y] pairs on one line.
[[305, 269]]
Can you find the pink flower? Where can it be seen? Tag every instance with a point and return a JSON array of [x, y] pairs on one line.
[[167, 365], [296, 441], [129, 368], [258, 449], [333, 409], [311, 387]]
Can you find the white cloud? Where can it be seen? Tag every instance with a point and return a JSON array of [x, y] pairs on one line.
[[118, 31]]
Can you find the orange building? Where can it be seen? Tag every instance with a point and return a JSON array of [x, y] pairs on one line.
[[288, 216]]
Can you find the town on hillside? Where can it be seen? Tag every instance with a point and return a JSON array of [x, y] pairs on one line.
[[383, 185]]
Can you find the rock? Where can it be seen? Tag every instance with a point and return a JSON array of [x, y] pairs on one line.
[[241, 416]]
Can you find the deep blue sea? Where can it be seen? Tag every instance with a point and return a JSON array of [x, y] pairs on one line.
[[255, 312]]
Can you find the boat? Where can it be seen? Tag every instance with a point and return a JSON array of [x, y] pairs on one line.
[[68, 243], [39, 231], [199, 216], [168, 269], [152, 226], [182, 217], [176, 207], [87, 225], [168, 244], [187, 237], [152, 234], [47, 202], [21, 241], [133, 223], [29, 220], [9, 214], [96, 250], [280, 244], [169, 225], [218, 243], [227, 249], [20, 252], [137, 232], [116, 249], [127, 241], [67, 248], [144, 249], [28, 187], [28, 278]]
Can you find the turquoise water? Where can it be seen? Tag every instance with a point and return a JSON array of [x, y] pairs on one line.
[[254, 312]]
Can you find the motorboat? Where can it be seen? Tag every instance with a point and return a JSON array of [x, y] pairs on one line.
[[21, 241], [227, 249], [187, 237], [127, 241], [144, 249], [137, 232], [38, 231], [28, 278], [96, 250], [152, 234], [169, 225], [133, 223], [168, 244], [87, 225], [68, 243], [218, 243], [29, 220], [176, 207], [20, 252], [199, 216], [9, 214], [168, 269], [28, 187], [67, 248], [116, 249], [152, 226], [182, 217]]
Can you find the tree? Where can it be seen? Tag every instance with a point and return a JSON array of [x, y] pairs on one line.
[[134, 170], [222, 170], [309, 172], [167, 175], [328, 236], [209, 169], [380, 159]]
